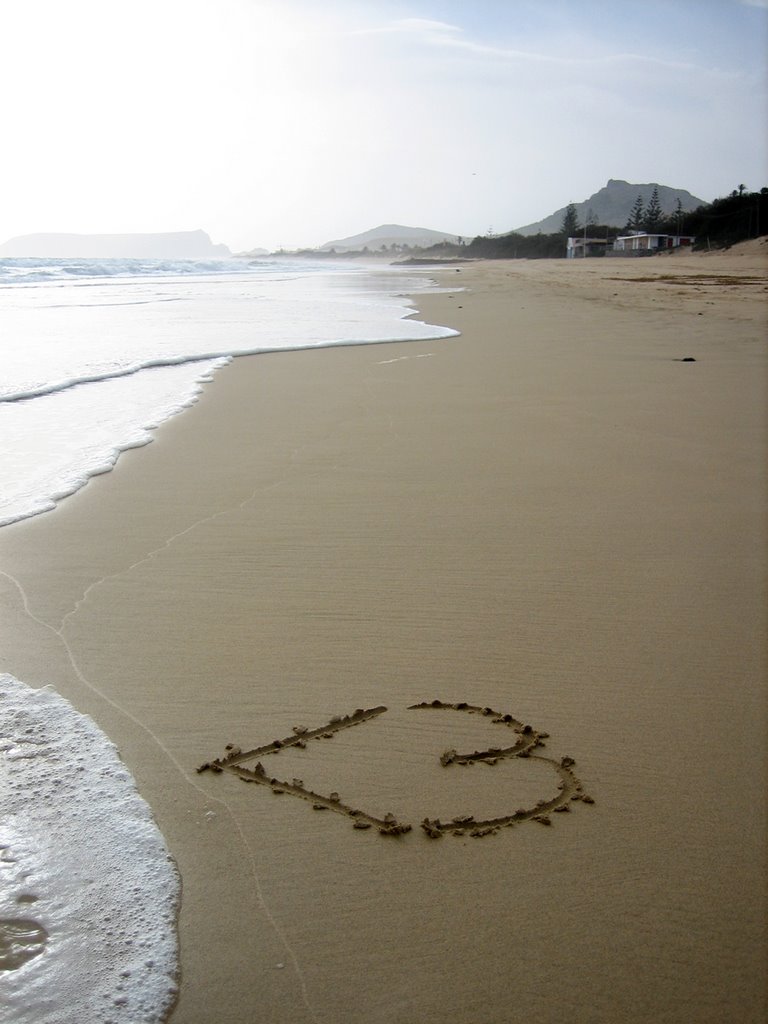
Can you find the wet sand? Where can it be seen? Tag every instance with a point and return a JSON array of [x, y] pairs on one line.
[[550, 519]]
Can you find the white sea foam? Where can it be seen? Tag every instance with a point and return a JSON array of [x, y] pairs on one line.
[[56, 443], [29, 269], [96, 353], [88, 893]]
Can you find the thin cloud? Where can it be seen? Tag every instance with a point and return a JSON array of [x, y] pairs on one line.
[[503, 53], [413, 26], [425, 25], [442, 34]]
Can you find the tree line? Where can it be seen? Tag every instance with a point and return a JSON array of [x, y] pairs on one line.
[[733, 218], [724, 222], [641, 218]]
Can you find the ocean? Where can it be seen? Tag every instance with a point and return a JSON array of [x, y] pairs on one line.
[[96, 354]]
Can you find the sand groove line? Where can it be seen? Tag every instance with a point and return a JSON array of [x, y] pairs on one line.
[[570, 788]]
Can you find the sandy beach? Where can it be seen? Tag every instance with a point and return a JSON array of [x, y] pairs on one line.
[[551, 516]]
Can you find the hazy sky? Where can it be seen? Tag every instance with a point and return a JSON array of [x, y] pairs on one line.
[[293, 122]]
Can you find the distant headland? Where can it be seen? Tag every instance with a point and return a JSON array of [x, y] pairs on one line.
[[179, 245]]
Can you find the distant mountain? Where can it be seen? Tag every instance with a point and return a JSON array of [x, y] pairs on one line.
[[613, 204], [388, 235], [179, 245]]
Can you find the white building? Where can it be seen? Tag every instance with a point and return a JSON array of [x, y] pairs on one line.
[[645, 243], [578, 247]]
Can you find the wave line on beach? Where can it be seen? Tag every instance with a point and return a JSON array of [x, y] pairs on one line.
[[399, 359]]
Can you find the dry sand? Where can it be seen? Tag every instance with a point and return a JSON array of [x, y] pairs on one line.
[[548, 515]]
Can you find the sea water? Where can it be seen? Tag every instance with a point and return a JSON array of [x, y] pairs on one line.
[[95, 354]]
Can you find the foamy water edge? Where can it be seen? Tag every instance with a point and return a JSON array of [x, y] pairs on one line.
[[81, 857]]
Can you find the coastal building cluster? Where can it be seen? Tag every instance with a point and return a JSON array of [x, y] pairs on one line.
[[636, 243]]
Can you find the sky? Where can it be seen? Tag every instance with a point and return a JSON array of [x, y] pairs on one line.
[[290, 123]]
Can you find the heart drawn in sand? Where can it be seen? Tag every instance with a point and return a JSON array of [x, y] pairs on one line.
[[527, 740]]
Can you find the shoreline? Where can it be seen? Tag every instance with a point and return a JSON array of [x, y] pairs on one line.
[[542, 515], [99, 403]]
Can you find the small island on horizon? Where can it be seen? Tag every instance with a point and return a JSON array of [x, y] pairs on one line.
[[180, 245]]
